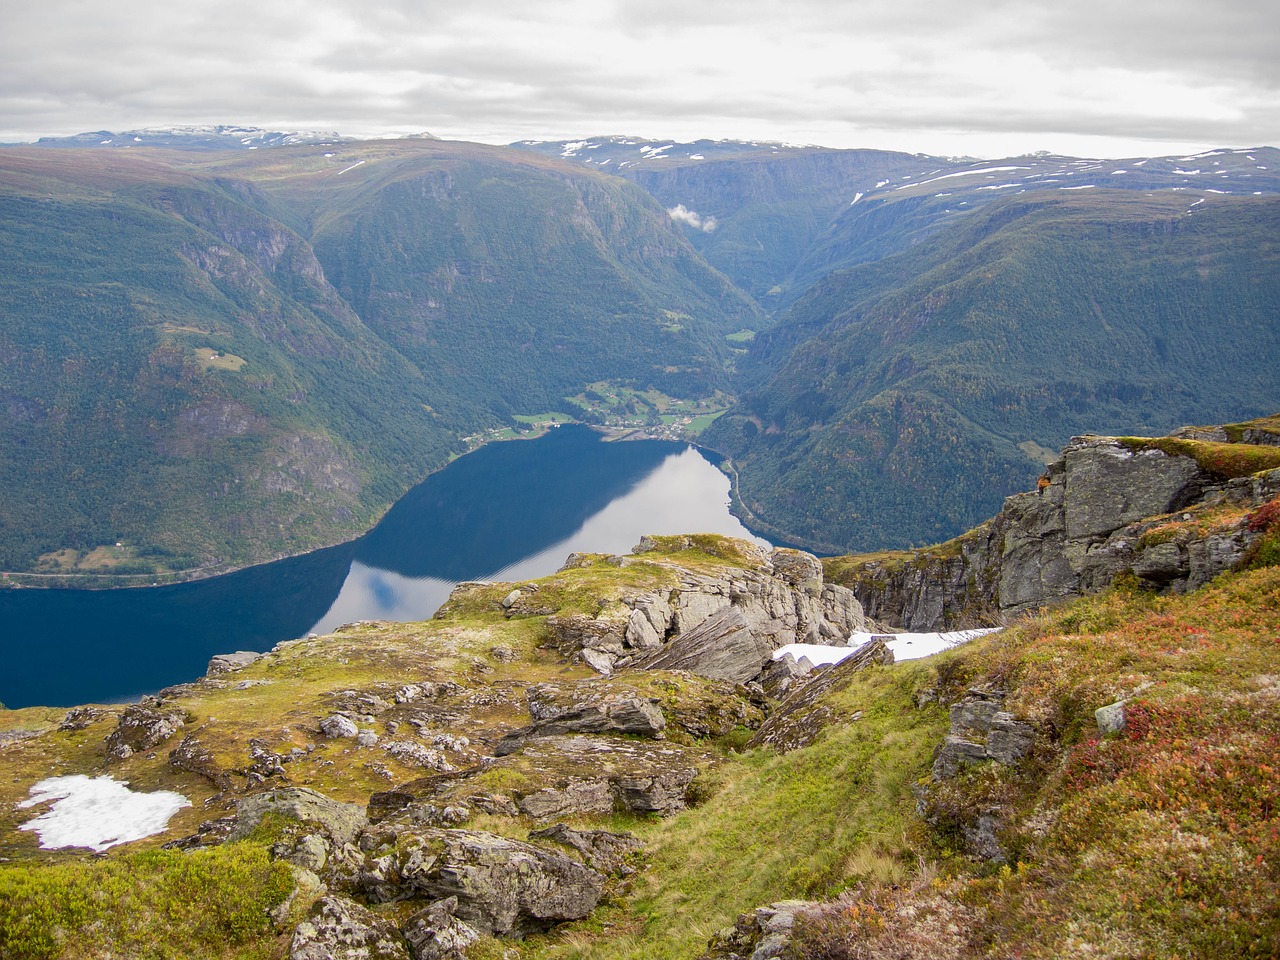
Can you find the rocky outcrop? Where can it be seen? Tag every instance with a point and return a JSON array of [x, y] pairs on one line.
[[142, 726], [502, 886], [593, 711], [762, 934], [339, 929], [744, 612], [981, 731], [559, 777], [231, 662], [723, 646], [804, 713], [1107, 507], [601, 850]]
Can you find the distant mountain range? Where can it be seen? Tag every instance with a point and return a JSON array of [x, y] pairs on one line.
[[200, 137], [226, 358]]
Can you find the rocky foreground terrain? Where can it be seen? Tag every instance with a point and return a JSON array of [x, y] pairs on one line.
[[607, 762]]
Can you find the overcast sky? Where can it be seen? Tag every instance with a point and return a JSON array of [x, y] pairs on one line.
[[986, 78]]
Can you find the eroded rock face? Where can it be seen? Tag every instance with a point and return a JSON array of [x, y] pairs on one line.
[[723, 646], [782, 601], [142, 726], [340, 929], [502, 886], [1086, 524], [982, 731]]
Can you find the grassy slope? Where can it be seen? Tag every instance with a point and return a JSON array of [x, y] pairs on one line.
[[1163, 841], [901, 391]]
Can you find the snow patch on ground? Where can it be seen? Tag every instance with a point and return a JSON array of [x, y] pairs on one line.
[[97, 812], [905, 646]]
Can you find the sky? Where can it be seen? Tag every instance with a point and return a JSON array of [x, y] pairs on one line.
[[1099, 78]]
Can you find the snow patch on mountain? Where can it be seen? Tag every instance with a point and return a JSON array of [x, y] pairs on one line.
[[97, 812]]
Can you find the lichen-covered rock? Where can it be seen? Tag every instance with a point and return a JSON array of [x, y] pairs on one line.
[[191, 755], [762, 934], [436, 934], [563, 776], [982, 731], [590, 710], [502, 886], [590, 795], [142, 726], [339, 727], [338, 929], [1111, 718], [341, 822], [602, 850]]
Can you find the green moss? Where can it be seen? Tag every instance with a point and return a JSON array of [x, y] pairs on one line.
[[1225, 461]]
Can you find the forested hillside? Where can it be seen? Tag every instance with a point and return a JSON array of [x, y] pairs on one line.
[[215, 359], [905, 399], [217, 356]]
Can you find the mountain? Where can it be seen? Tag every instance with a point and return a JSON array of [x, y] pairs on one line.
[[219, 360], [626, 760], [776, 217], [753, 209], [901, 400], [242, 340], [201, 137]]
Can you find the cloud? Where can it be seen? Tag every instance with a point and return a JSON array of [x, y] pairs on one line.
[[919, 74], [681, 214]]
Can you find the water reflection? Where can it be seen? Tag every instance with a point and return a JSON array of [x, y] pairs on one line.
[[683, 494], [509, 511]]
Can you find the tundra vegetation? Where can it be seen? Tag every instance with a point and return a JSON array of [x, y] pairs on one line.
[[1052, 853]]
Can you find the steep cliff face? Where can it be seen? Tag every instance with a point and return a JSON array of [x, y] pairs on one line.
[[1173, 513]]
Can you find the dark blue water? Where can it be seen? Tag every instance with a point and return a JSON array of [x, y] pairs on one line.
[[508, 511]]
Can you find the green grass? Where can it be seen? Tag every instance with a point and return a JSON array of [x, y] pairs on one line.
[[804, 824], [1225, 461]]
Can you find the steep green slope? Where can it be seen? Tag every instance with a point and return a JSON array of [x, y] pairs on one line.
[[187, 390], [200, 401], [515, 286], [753, 210], [904, 399]]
